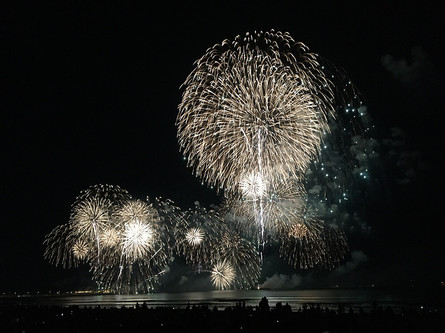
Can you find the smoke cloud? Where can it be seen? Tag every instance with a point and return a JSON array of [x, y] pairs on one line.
[[408, 71], [407, 163], [282, 281], [358, 257]]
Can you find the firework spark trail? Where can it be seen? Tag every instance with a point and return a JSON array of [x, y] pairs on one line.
[[243, 256], [261, 222], [281, 205], [59, 244], [113, 193], [172, 223], [316, 244]]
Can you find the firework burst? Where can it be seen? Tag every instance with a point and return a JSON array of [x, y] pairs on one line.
[[259, 103], [90, 217], [200, 237], [222, 275], [311, 242], [298, 230], [243, 257], [137, 240], [136, 210], [144, 254], [109, 237], [173, 223], [81, 249], [253, 186], [279, 206], [194, 236], [261, 112]]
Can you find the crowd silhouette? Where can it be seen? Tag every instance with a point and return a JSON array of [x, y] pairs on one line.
[[202, 318]]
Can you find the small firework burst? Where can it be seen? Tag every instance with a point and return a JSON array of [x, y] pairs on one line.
[[253, 186], [222, 275], [194, 236], [80, 249], [109, 237], [298, 230], [90, 216], [199, 239]]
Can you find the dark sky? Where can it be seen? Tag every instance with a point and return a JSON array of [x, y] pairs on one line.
[[90, 96]]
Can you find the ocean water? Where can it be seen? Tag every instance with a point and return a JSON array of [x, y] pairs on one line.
[[330, 298]]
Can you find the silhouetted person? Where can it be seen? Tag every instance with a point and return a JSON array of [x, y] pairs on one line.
[[264, 304], [287, 308]]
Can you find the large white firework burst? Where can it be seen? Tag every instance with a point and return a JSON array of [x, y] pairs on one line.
[[258, 103]]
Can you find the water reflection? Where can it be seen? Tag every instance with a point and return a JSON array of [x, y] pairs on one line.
[[330, 298]]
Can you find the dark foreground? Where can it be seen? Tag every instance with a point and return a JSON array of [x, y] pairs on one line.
[[239, 318]]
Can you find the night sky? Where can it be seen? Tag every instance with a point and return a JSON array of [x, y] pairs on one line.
[[90, 96]]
